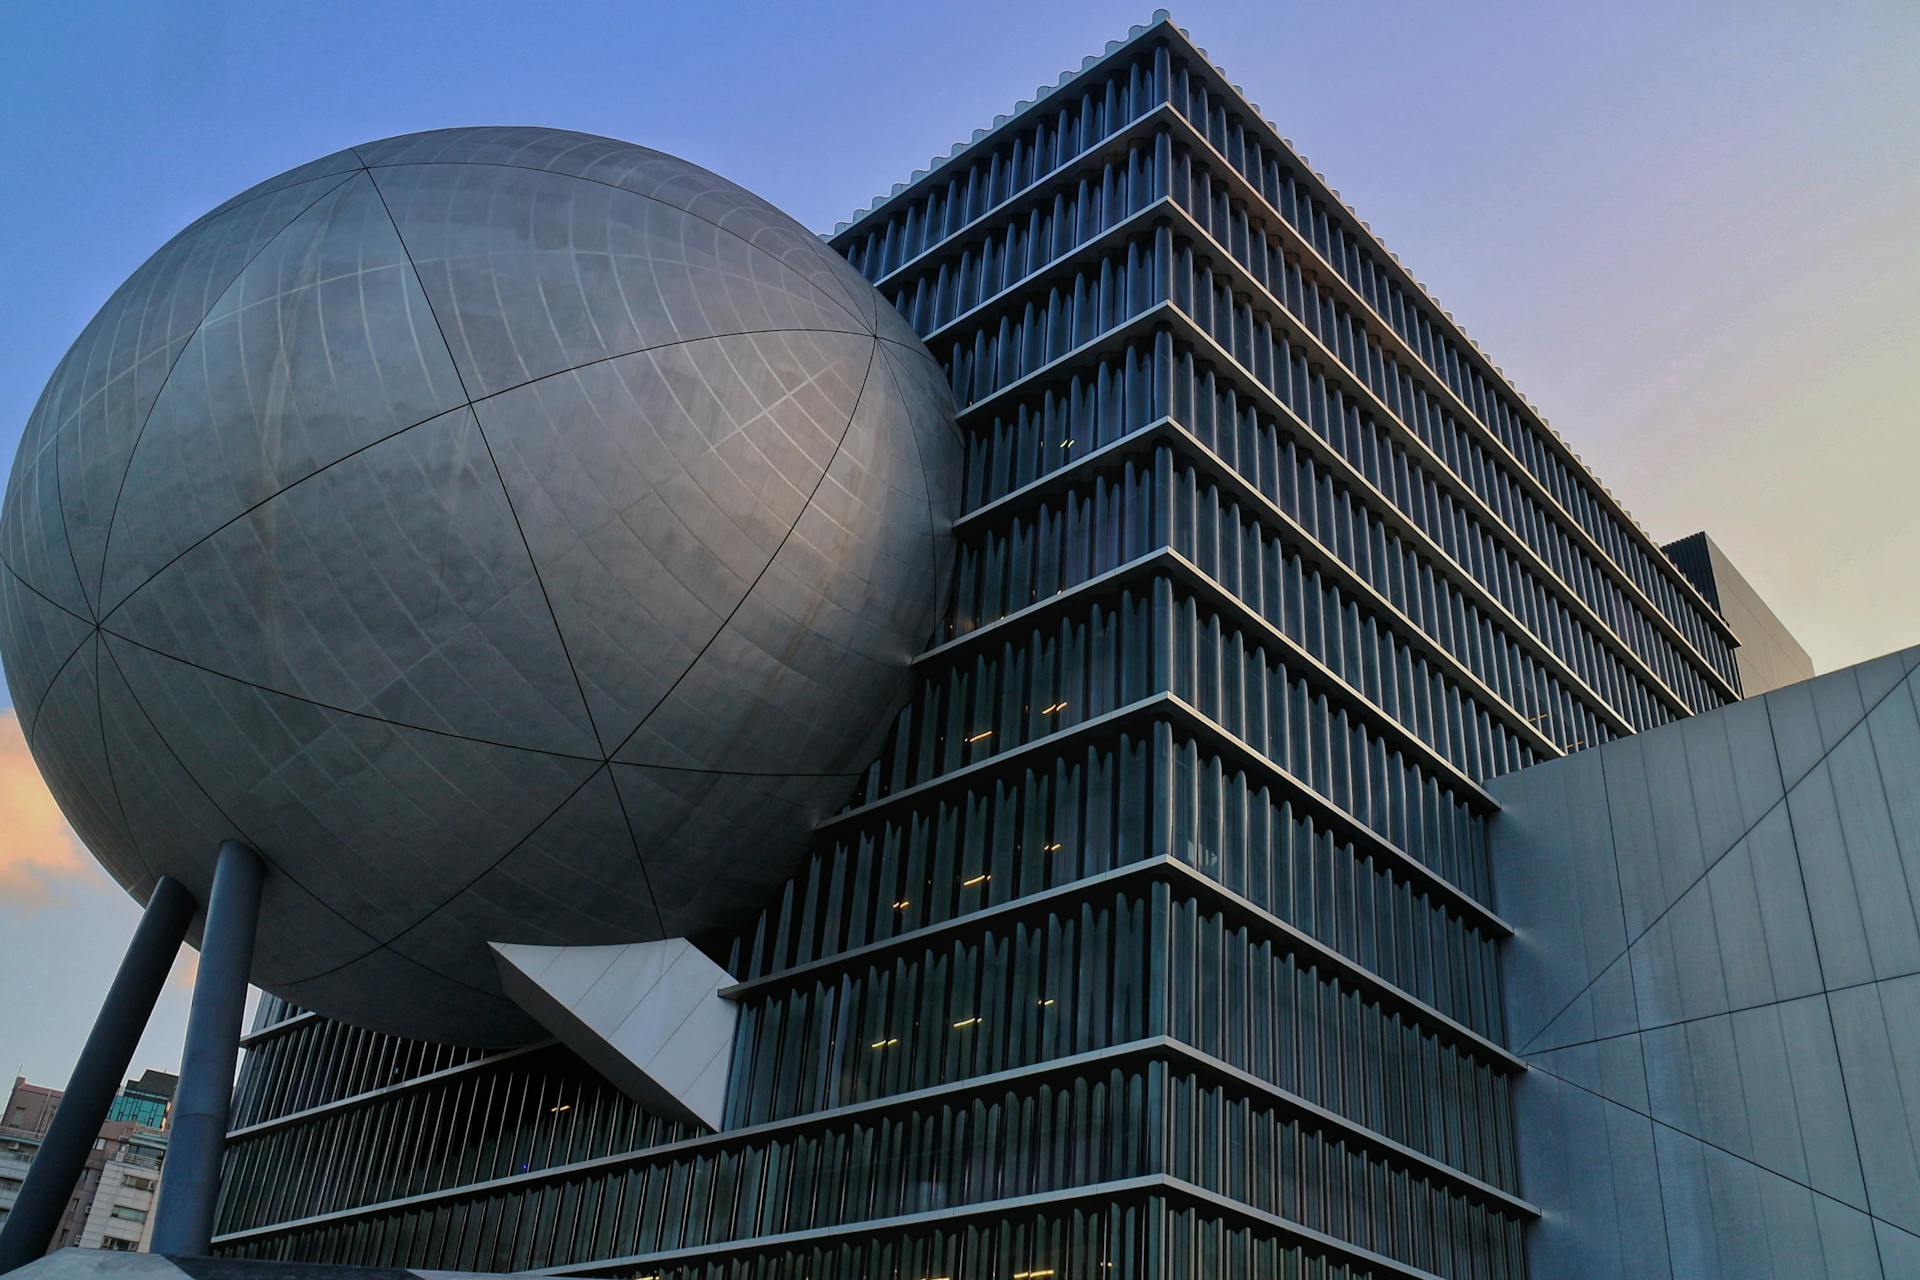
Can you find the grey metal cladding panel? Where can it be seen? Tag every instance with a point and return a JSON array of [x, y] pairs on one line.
[[1588, 1164], [1899, 1251], [1636, 840], [322, 346], [1878, 677], [849, 583], [1744, 958], [578, 866], [121, 361], [1837, 705], [1551, 854], [654, 489], [1820, 1100], [1693, 1233], [1615, 1068], [1878, 1028], [1728, 1218], [1676, 963], [532, 273], [1793, 960], [384, 817], [71, 753], [1796, 730], [40, 638], [1893, 726], [755, 823], [1676, 828], [1756, 767], [1832, 897], [1728, 943], [1604, 1008], [1879, 876], [1717, 809], [1693, 1082], [1763, 1084], [1849, 1245], [393, 584], [651, 174]]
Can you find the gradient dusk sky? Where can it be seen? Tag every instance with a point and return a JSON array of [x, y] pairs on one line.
[[1689, 233]]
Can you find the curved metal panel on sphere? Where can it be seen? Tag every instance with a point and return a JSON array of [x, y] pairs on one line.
[[514, 535]]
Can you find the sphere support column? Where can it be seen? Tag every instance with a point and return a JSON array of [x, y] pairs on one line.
[[103, 1063], [190, 1180]]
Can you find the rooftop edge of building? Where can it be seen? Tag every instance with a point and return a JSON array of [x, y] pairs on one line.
[[1161, 22]]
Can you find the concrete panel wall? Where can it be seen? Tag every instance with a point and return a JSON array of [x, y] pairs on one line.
[[1715, 979]]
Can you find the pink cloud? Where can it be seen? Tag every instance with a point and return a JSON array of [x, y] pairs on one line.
[[39, 852]]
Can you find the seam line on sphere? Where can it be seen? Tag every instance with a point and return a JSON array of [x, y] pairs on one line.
[[336, 709], [66, 530], [384, 944], [106, 752], [867, 329], [242, 200], [825, 470], [22, 580], [106, 543], [663, 346], [290, 485], [633, 842], [265, 854], [41, 702], [433, 313], [926, 483], [953, 427], [348, 711]]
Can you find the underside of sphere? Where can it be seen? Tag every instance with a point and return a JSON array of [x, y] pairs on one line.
[[513, 535]]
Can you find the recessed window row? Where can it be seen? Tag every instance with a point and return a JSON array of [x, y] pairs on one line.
[[1229, 992], [1148, 639], [1055, 134], [322, 1061], [1026, 1138], [1158, 266], [1167, 378], [1108, 520]]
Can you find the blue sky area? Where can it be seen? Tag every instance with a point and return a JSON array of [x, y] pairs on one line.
[[1685, 230]]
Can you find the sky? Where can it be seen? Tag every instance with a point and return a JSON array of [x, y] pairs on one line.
[[1686, 231]]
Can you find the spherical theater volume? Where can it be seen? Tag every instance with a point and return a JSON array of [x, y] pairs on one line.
[[513, 535]]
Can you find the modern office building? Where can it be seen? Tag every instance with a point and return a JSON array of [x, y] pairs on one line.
[[145, 1100], [1768, 657], [1161, 939]]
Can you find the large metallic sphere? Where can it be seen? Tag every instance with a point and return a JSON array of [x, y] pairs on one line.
[[513, 535]]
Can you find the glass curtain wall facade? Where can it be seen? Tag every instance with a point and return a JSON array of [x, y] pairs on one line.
[[1156, 942]]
